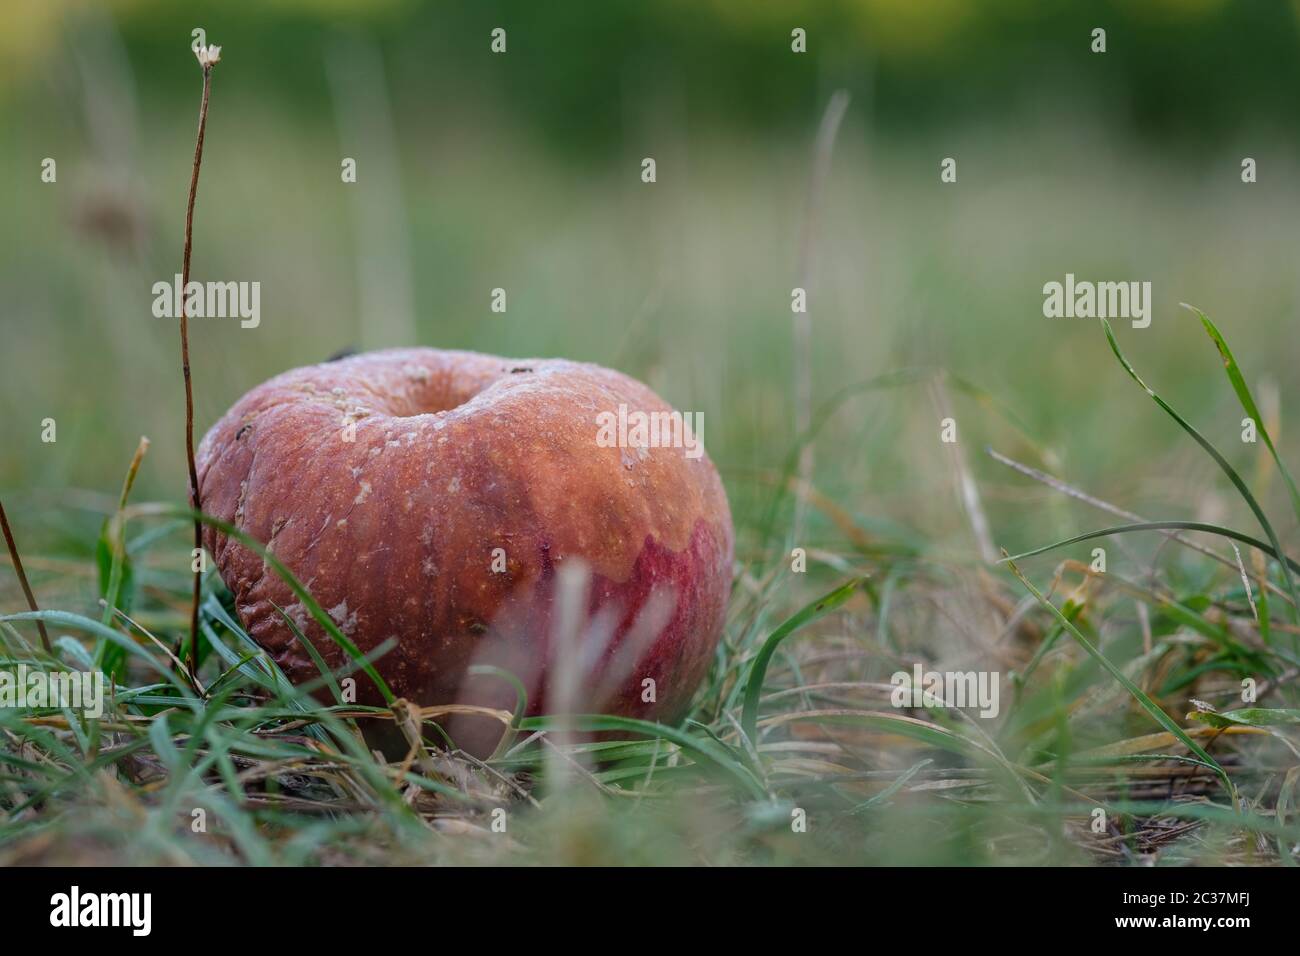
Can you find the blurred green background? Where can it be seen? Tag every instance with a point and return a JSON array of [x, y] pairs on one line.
[[522, 171]]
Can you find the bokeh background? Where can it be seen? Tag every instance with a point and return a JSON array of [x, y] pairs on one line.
[[522, 171]]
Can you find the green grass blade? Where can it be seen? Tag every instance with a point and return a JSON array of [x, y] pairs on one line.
[[116, 586], [1158, 526], [116, 572], [326, 674], [95, 629], [1219, 460], [1248, 717], [1147, 704], [702, 750], [288, 577], [902, 781], [758, 670], [1247, 400]]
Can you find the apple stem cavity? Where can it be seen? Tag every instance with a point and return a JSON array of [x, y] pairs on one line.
[[22, 578], [207, 56]]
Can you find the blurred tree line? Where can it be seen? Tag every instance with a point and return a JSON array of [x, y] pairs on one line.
[[1180, 71]]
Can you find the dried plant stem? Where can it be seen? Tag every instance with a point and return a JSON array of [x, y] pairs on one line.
[[192, 656], [22, 577], [822, 150], [1056, 484]]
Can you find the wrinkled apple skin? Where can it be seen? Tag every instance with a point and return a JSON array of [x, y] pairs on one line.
[[387, 481]]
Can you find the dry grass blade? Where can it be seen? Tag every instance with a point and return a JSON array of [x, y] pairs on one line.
[[822, 152], [1079, 495], [22, 577]]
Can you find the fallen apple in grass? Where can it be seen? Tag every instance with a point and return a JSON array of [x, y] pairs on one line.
[[474, 510]]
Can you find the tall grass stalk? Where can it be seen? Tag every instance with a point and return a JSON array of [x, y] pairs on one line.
[[208, 57]]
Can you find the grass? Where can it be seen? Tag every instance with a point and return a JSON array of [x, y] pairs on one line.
[[1128, 742], [1122, 689]]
